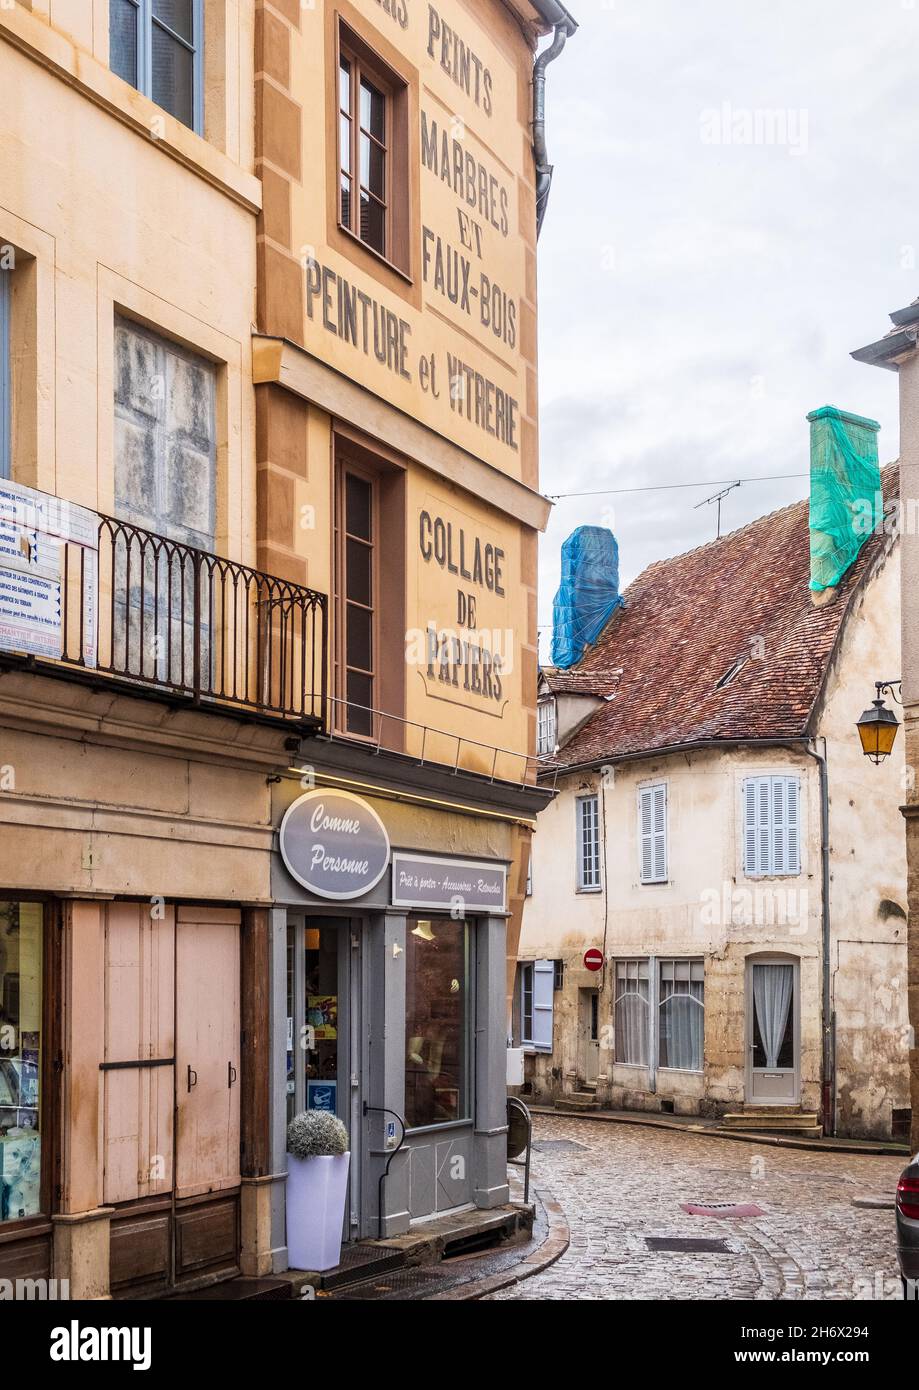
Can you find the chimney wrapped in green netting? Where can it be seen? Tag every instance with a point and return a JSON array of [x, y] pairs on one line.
[[845, 496]]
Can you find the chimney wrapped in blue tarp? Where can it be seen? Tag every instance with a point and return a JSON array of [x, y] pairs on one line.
[[587, 595], [845, 492]]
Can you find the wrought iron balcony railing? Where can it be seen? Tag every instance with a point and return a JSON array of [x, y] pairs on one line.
[[163, 615]]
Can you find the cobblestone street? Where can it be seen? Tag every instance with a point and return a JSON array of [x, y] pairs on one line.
[[625, 1183]]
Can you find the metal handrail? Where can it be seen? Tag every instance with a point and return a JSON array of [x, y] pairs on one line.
[[541, 762], [515, 1103], [384, 1110], [180, 619]]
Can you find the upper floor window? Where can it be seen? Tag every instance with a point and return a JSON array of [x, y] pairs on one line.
[[372, 122], [165, 436], [356, 515], [771, 811], [158, 46], [6, 392], [652, 832], [588, 826], [545, 726]]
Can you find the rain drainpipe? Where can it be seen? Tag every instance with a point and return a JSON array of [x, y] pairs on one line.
[[827, 1021], [564, 26]]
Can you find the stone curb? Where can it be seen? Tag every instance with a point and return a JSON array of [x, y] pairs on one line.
[[713, 1132], [552, 1248]]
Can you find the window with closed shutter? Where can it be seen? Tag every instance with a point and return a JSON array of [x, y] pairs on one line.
[[652, 832], [588, 846], [537, 984], [772, 825]]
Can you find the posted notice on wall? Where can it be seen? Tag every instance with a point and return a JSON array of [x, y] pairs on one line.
[[35, 528]]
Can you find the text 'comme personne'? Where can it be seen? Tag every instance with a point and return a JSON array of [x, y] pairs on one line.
[[320, 823]]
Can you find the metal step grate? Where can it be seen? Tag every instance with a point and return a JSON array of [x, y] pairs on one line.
[[688, 1245]]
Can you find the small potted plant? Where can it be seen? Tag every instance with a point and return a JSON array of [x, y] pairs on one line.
[[317, 1189]]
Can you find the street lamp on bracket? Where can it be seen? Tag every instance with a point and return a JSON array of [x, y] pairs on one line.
[[877, 727]]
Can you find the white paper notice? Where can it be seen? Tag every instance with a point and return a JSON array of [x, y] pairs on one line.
[[34, 529]]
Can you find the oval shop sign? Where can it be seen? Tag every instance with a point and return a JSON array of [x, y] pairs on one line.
[[334, 844]]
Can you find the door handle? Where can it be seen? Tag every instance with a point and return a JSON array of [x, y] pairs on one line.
[[192, 1073], [231, 1073]]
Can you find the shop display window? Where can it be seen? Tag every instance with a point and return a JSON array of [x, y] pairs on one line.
[[21, 936], [436, 1021]]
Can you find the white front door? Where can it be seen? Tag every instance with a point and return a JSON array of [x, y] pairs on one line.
[[589, 1029], [772, 1032]]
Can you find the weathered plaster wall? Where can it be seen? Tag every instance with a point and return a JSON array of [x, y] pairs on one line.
[[909, 577], [868, 873]]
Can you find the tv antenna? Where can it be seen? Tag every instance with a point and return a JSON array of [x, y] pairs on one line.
[[716, 497]]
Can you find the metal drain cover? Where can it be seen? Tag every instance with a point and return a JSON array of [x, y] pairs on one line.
[[692, 1245], [734, 1209], [558, 1146]]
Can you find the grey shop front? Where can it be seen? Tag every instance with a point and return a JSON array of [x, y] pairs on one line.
[[389, 948]]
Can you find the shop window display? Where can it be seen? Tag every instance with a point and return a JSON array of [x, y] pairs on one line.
[[317, 1033], [436, 1033], [20, 1059]]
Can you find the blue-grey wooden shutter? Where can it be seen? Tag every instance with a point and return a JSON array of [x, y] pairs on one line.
[[652, 818], [543, 1000], [771, 830]]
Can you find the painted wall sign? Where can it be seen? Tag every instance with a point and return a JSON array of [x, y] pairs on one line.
[[421, 880], [334, 844]]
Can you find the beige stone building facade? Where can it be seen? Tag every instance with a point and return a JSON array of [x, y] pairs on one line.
[[268, 519]]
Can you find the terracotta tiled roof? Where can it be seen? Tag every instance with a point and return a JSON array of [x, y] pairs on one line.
[[580, 682], [688, 620]]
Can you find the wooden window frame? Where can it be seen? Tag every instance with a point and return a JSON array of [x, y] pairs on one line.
[[357, 453], [346, 466], [361, 70], [388, 70]]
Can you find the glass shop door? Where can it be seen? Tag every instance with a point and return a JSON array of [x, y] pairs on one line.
[[323, 1030]]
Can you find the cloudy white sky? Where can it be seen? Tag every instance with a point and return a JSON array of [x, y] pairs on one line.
[[698, 299]]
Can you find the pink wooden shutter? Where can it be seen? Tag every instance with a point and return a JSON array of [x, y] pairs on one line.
[[137, 1102], [207, 1049]]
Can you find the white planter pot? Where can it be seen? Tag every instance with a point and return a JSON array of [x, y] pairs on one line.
[[317, 1189]]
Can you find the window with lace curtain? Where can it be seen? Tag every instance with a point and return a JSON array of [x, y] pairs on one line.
[[659, 1013], [632, 1011], [681, 1014]]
